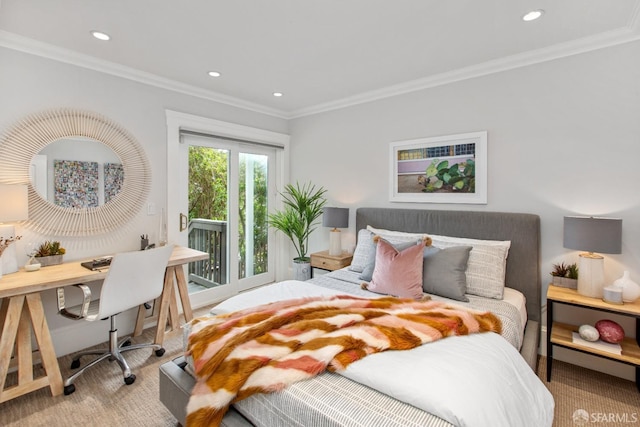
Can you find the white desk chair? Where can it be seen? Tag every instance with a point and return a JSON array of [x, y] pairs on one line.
[[133, 279]]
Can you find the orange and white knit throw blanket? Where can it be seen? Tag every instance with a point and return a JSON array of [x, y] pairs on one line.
[[265, 348]]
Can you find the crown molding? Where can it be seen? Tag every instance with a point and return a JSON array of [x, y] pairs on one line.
[[45, 50], [627, 34]]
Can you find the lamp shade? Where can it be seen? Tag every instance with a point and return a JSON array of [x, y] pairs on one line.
[[335, 217], [14, 202], [593, 234]]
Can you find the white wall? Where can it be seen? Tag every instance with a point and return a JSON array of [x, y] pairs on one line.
[[30, 84], [563, 139]]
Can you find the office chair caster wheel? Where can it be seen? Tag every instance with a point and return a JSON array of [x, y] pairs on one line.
[[75, 364], [127, 343], [68, 389], [130, 379], [160, 352]]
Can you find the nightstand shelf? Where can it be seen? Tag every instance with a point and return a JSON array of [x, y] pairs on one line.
[[560, 334], [328, 262]]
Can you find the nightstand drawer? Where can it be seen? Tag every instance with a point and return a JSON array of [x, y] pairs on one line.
[[329, 262]]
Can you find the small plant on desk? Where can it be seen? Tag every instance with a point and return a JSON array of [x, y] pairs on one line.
[[50, 253]]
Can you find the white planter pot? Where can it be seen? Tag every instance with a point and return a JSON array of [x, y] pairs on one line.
[[49, 260], [565, 282], [301, 270]]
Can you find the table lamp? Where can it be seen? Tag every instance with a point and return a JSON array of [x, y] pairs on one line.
[[14, 206], [336, 218], [592, 234]]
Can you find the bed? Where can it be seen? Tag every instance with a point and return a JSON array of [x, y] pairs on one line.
[[354, 397]]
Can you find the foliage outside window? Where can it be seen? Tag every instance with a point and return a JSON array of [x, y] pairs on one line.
[[208, 170]]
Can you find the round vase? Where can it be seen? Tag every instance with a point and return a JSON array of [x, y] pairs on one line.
[[630, 289]]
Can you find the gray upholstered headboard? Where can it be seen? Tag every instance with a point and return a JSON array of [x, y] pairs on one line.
[[523, 230]]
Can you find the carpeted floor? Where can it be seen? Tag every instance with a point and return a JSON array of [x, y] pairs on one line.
[[604, 399], [102, 398]]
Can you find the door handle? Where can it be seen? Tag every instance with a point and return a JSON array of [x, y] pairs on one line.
[[183, 222]]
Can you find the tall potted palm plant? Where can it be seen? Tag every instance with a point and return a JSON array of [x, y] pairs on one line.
[[302, 207]]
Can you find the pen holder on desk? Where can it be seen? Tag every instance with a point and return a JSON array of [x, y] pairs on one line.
[[143, 244]]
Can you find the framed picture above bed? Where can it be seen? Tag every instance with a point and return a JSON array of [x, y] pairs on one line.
[[441, 169]]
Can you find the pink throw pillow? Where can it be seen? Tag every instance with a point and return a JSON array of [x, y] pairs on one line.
[[398, 273]]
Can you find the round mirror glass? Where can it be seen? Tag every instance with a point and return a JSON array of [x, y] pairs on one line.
[[77, 172]]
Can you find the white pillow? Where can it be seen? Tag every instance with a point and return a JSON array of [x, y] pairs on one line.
[[487, 264], [399, 236]]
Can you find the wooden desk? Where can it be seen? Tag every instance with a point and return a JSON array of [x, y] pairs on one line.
[[21, 312]]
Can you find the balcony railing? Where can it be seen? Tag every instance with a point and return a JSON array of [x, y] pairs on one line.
[[209, 236]]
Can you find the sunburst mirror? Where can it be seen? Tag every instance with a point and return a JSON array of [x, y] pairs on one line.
[[67, 205]]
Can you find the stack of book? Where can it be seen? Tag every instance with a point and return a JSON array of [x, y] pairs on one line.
[[597, 345]]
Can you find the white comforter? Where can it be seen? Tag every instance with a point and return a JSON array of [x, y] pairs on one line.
[[474, 380]]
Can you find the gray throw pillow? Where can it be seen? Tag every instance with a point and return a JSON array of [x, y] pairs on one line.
[[365, 251], [367, 271], [443, 271]]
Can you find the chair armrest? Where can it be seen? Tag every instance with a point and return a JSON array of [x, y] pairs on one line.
[[84, 309]]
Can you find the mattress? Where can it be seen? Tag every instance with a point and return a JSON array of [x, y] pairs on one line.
[[334, 399]]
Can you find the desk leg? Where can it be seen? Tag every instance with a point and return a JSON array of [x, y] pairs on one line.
[[17, 318], [184, 293], [167, 306], [142, 313], [174, 316], [23, 349], [45, 343], [11, 309], [165, 302]]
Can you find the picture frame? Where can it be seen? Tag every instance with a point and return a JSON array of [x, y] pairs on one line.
[[75, 184], [423, 171]]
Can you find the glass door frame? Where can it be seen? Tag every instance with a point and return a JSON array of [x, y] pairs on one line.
[[177, 198]]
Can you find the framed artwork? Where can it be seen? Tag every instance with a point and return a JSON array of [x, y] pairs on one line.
[[113, 180], [75, 184], [442, 169]]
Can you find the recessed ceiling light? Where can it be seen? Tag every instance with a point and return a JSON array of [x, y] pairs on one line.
[[100, 35], [278, 94], [533, 15], [214, 74]]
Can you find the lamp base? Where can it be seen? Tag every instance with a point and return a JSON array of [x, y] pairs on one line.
[[9, 257], [591, 275], [335, 242]]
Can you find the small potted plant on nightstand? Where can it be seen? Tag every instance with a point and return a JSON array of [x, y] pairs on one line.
[[565, 275], [302, 207], [49, 253]]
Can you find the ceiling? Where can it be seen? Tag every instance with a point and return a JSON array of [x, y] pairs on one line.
[[322, 54]]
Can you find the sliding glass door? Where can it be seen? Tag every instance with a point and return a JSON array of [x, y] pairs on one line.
[[230, 187]]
